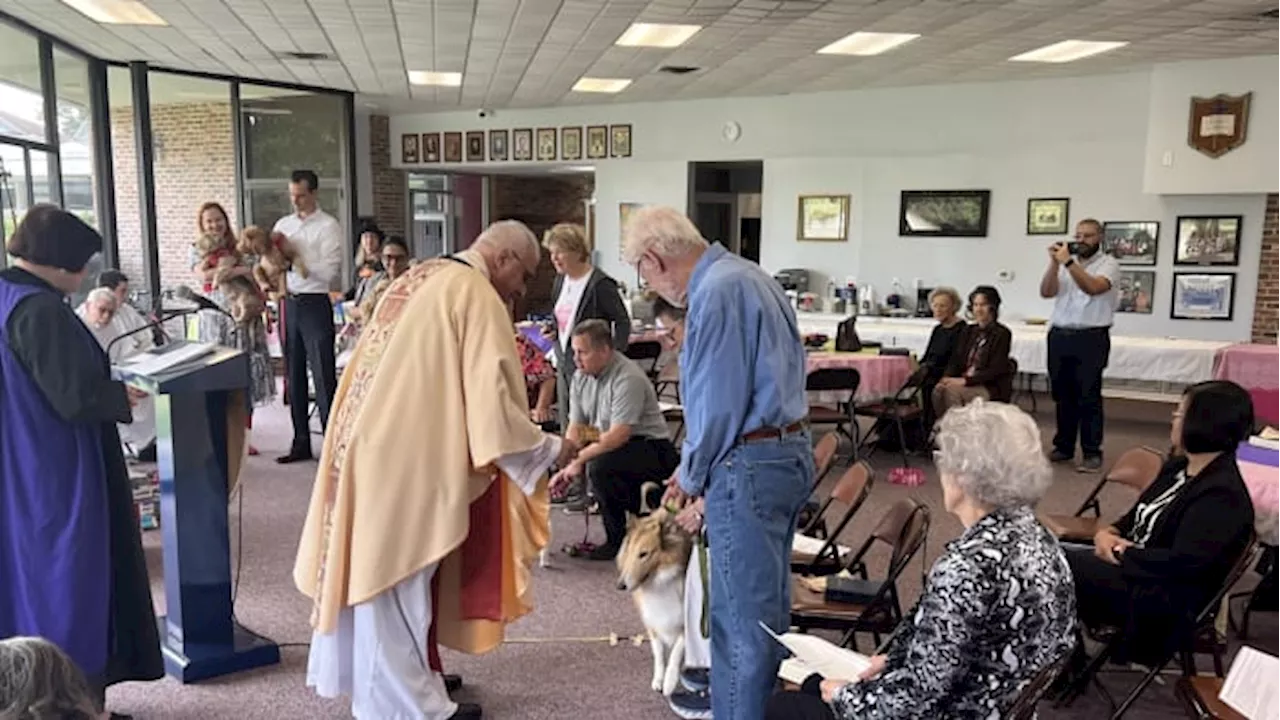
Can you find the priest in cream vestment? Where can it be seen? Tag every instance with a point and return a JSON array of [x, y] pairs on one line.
[[430, 502]]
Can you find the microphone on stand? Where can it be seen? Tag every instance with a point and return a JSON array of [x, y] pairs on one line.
[[184, 292], [154, 324]]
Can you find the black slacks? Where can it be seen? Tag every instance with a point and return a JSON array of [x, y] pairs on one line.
[[1102, 595], [1077, 357], [617, 477], [309, 335], [794, 705]]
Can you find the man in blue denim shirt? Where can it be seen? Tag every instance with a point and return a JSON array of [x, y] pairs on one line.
[[746, 448]]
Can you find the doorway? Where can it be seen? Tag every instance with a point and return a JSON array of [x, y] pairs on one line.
[[725, 204]]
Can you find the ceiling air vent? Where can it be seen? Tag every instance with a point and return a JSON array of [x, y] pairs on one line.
[[678, 69], [312, 56]]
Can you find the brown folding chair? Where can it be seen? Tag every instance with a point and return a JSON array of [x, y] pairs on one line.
[[823, 454], [904, 528], [1199, 697], [841, 415], [851, 490], [1136, 468], [1024, 706]]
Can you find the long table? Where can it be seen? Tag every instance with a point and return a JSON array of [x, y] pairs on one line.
[[1154, 360], [1256, 368]]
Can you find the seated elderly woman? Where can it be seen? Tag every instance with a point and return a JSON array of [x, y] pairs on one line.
[[1154, 569], [98, 312], [979, 367], [998, 606], [39, 682], [944, 302]]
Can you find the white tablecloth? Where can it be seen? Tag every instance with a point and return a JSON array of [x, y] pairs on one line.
[[1164, 360]]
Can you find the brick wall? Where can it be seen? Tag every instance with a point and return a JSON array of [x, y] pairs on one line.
[[1265, 309], [194, 163], [390, 186], [539, 202]]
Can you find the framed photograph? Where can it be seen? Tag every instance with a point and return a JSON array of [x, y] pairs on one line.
[[475, 146], [409, 148], [624, 216], [522, 144], [1203, 296], [1048, 216], [620, 141], [1208, 240], [453, 147], [1133, 243], [597, 142], [498, 145], [546, 144], [431, 147], [571, 143], [823, 218], [1137, 288], [944, 213]]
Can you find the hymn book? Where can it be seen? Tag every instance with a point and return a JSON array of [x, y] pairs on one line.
[[1251, 687], [812, 654]]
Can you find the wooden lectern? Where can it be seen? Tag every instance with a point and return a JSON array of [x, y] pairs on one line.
[[200, 420]]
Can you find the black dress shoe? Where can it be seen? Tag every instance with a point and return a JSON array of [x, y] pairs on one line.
[[121, 716], [452, 683], [467, 711], [294, 457]]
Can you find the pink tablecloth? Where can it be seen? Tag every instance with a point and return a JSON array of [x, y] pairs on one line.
[[1256, 368], [882, 375], [1258, 467]]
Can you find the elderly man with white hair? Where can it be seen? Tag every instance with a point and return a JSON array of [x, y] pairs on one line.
[[430, 502], [998, 606], [746, 450], [100, 312]]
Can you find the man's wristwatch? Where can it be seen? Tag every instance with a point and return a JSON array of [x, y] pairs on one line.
[[1069, 262]]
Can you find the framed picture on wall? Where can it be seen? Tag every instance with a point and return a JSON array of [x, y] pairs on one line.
[[1048, 216], [571, 143], [823, 218], [620, 141], [498, 145], [1208, 240], [453, 147], [475, 146], [1133, 243], [431, 147], [546, 144], [1136, 290], [409, 148], [944, 213], [597, 142], [522, 144], [1203, 296]]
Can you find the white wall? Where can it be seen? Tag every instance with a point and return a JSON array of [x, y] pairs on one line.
[[1082, 138], [1190, 171]]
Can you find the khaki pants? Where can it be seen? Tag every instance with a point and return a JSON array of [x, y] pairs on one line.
[[946, 397]]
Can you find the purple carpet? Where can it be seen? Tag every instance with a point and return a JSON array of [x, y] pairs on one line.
[[549, 675]]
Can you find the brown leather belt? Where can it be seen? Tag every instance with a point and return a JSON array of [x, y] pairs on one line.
[[773, 433]]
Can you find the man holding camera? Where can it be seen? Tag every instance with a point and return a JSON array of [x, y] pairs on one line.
[[1082, 281]]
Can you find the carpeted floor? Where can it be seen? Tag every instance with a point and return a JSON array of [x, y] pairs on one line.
[[542, 673]]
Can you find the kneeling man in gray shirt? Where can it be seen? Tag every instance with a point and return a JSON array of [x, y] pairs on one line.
[[611, 394]]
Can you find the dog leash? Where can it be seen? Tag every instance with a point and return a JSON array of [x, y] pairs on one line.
[[701, 545]]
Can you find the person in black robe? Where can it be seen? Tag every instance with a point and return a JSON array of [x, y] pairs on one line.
[[43, 334]]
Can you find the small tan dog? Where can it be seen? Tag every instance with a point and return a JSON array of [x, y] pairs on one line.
[[276, 257], [244, 302], [652, 563]]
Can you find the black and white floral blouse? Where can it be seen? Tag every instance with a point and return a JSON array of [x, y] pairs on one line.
[[998, 606]]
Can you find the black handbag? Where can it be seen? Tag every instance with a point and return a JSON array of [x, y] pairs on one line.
[[847, 336], [851, 591]]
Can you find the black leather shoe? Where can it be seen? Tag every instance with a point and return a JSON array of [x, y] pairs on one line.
[[467, 711], [294, 457], [121, 716], [452, 683]]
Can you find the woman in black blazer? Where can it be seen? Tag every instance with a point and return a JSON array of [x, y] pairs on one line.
[[1152, 571], [581, 292], [979, 366]]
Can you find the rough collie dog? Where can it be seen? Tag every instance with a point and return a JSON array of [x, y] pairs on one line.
[[651, 566]]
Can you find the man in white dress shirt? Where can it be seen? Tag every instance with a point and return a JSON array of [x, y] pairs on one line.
[[1081, 279], [308, 313]]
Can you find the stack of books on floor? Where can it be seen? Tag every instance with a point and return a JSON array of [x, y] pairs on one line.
[[146, 496]]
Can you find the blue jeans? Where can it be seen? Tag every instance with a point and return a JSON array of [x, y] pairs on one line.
[[752, 501]]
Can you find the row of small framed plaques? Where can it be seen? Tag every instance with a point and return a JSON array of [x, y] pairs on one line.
[[1196, 296], [523, 144]]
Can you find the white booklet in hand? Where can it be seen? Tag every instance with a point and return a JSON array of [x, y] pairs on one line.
[[1251, 685], [815, 655]]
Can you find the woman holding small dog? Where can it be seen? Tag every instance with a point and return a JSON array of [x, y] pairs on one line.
[[251, 338], [998, 606]]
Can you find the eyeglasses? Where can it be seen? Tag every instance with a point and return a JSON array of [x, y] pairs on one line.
[[394, 257]]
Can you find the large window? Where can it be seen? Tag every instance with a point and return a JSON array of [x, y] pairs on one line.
[[75, 135], [21, 125]]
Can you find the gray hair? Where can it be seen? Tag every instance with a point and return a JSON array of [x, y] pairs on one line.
[[663, 230], [993, 452], [950, 293], [597, 331], [101, 294], [39, 682], [510, 235]]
